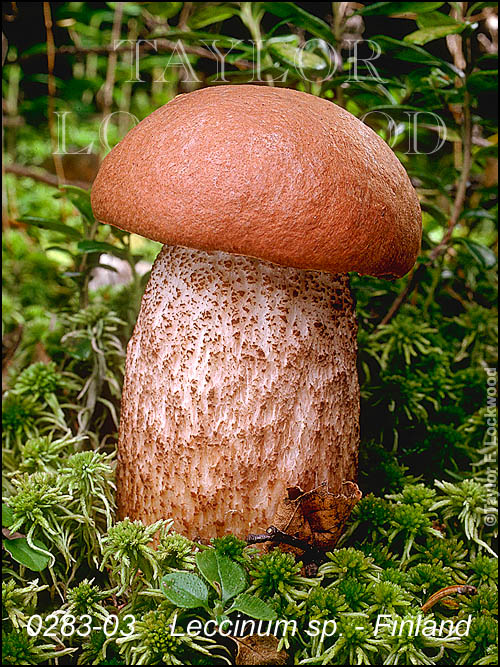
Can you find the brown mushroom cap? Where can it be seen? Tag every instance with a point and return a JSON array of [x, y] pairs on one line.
[[270, 173]]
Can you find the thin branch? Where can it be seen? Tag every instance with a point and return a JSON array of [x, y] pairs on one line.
[[42, 176], [458, 205], [47, 15], [277, 536], [458, 202], [107, 90], [168, 45], [161, 44], [126, 90], [184, 15], [5, 48]]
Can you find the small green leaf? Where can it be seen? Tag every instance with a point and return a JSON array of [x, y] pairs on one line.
[[479, 6], [88, 246], [413, 53], [479, 213], [254, 607], [108, 267], [485, 81], [425, 35], [482, 254], [133, 10], [80, 199], [206, 562], [391, 8], [435, 212], [7, 516], [288, 52], [58, 248], [184, 590], [22, 553], [435, 19], [164, 9], [52, 225], [292, 13], [204, 15], [80, 349], [226, 576], [231, 576]]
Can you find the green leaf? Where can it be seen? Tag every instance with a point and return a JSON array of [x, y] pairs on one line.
[[231, 576], [108, 267], [434, 19], [391, 8], [184, 589], [425, 35], [288, 52], [395, 107], [80, 349], [22, 553], [205, 15], [164, 9], [7, 516], [482, 254], [58, 248], [436, 212], [52, 225], [413, 53], [476, 7], [479, 213], [485, 81], [80, 199], [291, 13], [130, 8], [88, 246], [221, 618], [222, 573], [35, 50], [206, 562], [254, 607]]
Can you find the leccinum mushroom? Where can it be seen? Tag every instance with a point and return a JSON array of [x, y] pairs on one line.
[[241, 372]]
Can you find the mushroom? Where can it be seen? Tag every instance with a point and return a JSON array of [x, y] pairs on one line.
[[241, 374]]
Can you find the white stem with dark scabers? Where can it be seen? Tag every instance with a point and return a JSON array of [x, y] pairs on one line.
[[240, 382]]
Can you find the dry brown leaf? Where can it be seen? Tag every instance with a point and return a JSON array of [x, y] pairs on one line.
[[318, 517], [257, 650]]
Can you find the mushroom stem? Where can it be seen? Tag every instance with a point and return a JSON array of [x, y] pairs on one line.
[[240, 382]]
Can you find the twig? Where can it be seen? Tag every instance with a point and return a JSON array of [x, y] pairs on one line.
[[7, 121], [168, 45], [125, 97], [160, 44], [10, 108], [338, 26], [5, 48], [458, 205], [10, 343], [184, 15], [107, 90], [42, 176], [52, 89], [310, 557], [273, 534]]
